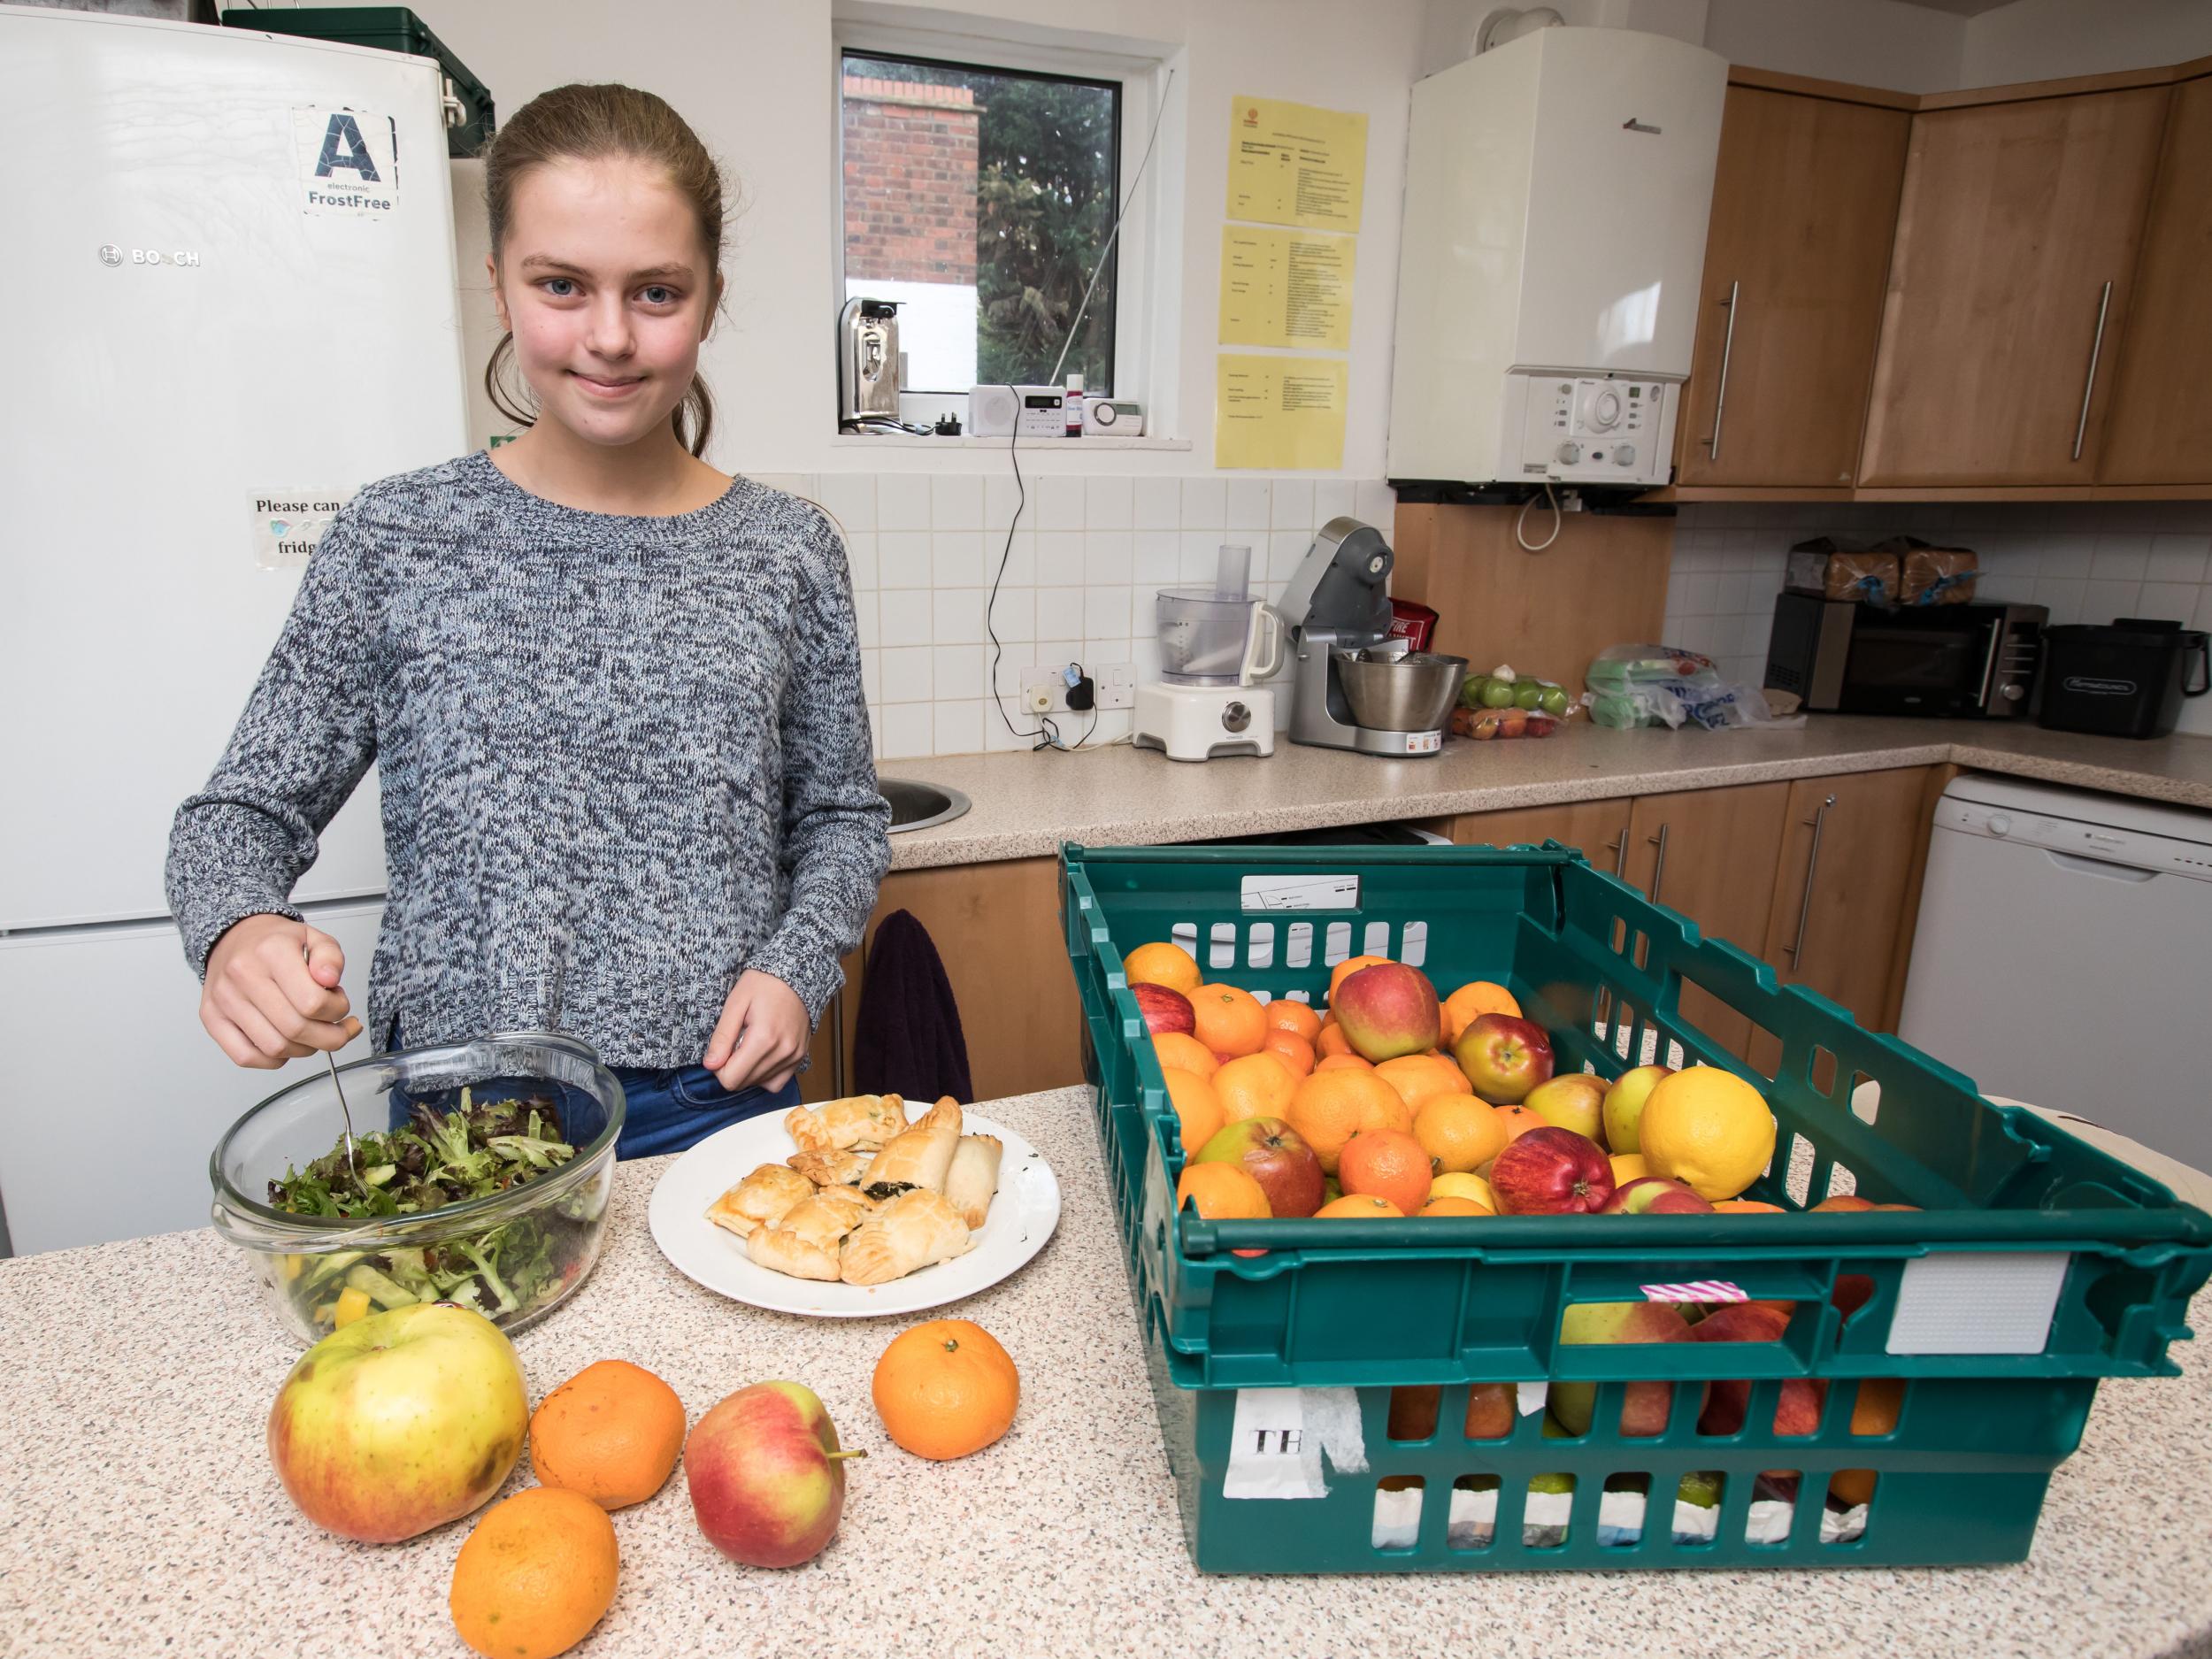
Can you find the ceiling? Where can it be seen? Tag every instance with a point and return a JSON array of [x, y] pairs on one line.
[[1961, 8]]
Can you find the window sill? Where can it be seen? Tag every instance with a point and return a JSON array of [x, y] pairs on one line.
[[1088, 442]]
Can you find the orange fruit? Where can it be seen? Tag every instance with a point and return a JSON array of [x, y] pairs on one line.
[[1231, 1022], [1162, 964], [1332, 1106], [1346, 968], [1387, 1163], [1483, 997], [1747, 1207], [1223, 1192], [1288, 1047], [613, 1432], [1178, 1049], [1628, 1166], [1359, 1207], [1288, 1014], [534, 1575], [1454, 1184], [1517, 1121], [946, 1388], [1254, 1086], [1459, 1132], [1197, 1107], [1453, 1207], [1331, 1043], [1418, 1076]]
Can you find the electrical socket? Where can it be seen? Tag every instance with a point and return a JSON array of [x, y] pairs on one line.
[[1037, 699], [1116, 684]]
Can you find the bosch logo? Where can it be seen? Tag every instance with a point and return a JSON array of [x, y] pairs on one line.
[[110, 254]]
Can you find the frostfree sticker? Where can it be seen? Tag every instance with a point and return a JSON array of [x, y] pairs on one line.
[[348, 160]]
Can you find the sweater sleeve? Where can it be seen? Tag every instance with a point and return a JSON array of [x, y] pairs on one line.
[[308, 734], [836, 844]]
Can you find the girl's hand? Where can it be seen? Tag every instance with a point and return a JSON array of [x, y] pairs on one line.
[[272, 992], [762, 1035]]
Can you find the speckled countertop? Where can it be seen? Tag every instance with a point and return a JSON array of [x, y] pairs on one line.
[[1026, 804], [138, 1514]]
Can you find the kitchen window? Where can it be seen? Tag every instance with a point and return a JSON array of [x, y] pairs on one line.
[[980, 196]]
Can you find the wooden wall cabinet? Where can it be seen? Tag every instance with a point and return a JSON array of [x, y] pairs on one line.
[[2157, 433], [1804, 206], [2010, 289]]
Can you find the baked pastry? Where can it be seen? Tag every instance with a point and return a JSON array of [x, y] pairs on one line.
[[830, 1169], [859, 1121], [827, 1216], [911, 1231], [785, 1250], [920, 1157], [973, 1177], [761, 1198]]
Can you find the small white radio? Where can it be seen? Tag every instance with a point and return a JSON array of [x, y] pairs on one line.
[[1113, 418], [1005, 411]]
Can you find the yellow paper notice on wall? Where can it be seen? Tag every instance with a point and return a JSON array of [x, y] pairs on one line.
[[1285, 287], [1283, 413], [1290, 164]]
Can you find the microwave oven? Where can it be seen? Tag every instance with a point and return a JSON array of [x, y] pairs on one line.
[[1843, 657]]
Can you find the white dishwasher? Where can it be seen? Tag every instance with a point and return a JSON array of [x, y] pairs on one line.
[[2064, 956]]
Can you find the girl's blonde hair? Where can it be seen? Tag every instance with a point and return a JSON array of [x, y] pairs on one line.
[[586, 123]]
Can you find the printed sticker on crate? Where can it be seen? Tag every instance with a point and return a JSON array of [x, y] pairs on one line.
[[1978, 1302], [1301, 892], [1278, 1435]]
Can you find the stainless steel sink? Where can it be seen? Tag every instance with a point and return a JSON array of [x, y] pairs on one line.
[[920, 805]]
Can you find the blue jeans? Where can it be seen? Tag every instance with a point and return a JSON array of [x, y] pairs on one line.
[[669, 1112]]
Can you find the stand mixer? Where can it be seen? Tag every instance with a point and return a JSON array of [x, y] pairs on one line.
[[1216, 645], [1355, 686]]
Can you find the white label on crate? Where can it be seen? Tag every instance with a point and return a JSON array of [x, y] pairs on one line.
[[1302, 893], [1969, 1302], [1529, 1396], [1278, 1434]]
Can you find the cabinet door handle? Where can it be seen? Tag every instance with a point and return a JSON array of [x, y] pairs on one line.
[[2089, 387], [1619, 849], [1658, 864], [1812, 863], [1720, 393]]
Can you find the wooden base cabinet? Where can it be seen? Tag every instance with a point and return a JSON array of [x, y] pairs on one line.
[[1598, 828]]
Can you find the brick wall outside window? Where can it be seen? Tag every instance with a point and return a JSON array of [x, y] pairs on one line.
[[909, 181]]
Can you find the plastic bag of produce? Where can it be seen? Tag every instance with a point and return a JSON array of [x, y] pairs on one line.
[[1662, 685]]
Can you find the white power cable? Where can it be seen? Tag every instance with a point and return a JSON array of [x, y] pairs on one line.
[[1520, 524]]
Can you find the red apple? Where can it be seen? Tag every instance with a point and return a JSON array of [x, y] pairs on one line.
[[1274, 1155], [400, 1422], [1164, 1011], [1504, 1057], [1656, 1195], [767, 1478], [1551, 1171], [1745, 1322], [1491, 1411], [1387, 1010], [1573, 1099], [1645, 1404], [1796, 1413]]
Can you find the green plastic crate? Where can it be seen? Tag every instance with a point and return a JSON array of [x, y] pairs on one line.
[[391, 30], [1383, 1307]]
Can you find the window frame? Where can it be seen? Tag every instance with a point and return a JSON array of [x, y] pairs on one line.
[[1136, 338]]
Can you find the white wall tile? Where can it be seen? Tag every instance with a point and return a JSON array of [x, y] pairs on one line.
[[850, 499], [1106, 613], [1002, 494], [1286, 549], [2103, 599], [1158, 505], [864, 629], [1155, 560], [902, 501], [1108, 503], [2173, 600], [1734, 596], [907, 674], [1059, 614], [959, 616], [1333, 498], [903, 617], [1376, 503], [1060, 554], [1011, 562], [910, 729], [1678, 591], [1700, 594], [1293, 504], [1059, 499], [956, 558], [872, 677], [998, 740], [2061, 596], [956, 501], [2204, 609], [1109, 557], [1201, 557], [2179, 558], [2121, 557], [860, 559], [902, 559], [1014, 617], [957, 671], [1205, 503], [1250, 503]]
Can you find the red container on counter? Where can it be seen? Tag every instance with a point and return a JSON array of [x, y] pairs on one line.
[[1412, 622]]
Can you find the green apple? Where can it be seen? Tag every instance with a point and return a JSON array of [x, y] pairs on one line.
[[1470, 692], [1528, 695], [1623, 1109], [400, 1422], [1574, 1100], [1555, 701], [1497, 693]]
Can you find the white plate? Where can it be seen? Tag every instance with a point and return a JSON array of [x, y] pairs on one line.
[[1023, 1216]]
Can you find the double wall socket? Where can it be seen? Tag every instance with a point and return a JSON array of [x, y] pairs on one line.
[[1044, 691]]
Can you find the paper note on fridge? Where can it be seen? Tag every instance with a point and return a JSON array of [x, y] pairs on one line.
[[1285, 287], [1291, 163], [287, 524], [1279, 412]]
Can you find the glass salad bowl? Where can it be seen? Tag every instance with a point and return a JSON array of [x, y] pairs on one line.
[[486, 1166]]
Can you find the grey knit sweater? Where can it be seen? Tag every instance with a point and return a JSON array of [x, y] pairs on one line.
[[622, 759]]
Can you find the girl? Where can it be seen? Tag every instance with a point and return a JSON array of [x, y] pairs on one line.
[[614, 695]]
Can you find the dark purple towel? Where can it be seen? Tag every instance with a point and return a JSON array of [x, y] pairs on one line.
[[906, 1038]]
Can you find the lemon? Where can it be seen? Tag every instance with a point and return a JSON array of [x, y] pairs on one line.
[[1460, 1185], [1628, 1166], [1707, 1129]]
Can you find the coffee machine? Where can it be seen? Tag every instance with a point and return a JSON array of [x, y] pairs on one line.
[[1355, 686], [869, 367]]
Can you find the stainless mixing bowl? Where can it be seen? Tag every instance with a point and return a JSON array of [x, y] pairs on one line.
[[1411, 693]]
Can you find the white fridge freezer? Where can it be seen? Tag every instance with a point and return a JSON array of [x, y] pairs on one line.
[[230, 276]]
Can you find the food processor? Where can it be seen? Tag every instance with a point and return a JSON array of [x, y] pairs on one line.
[[1215, 645], [1355, 686]]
